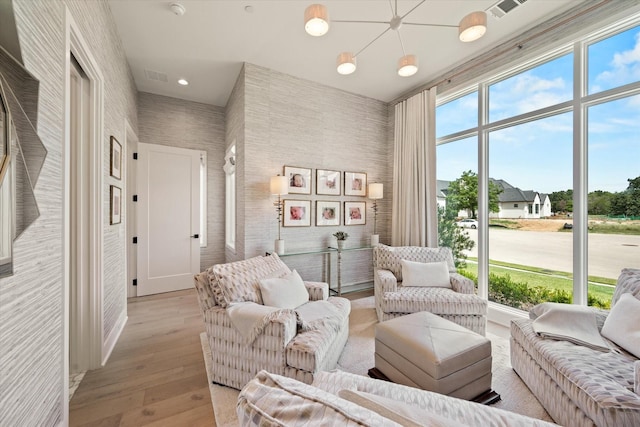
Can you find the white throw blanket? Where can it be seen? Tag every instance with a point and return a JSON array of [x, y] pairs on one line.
[[250, 318], [568, 322]]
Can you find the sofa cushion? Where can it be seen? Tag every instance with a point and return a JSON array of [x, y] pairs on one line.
[[411, 299], [623, 324], [628, 282], [239, 281], [430, 274], [286, 292], [271, 399], [599, 383], [400, 412]]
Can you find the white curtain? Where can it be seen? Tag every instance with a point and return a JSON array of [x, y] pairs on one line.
[[414, 220]]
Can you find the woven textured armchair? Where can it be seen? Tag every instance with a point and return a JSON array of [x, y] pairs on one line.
[[458, 304], [281, 348]]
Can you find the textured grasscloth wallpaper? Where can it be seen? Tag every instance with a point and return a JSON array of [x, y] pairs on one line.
[[31, 306], [295, 122]]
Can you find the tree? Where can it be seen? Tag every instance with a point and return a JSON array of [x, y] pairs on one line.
[[599, 202], [462, 194], [454, 237], [561, 201], [627, 202]]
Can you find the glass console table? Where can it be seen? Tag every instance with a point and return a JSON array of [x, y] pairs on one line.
[[329, 251]]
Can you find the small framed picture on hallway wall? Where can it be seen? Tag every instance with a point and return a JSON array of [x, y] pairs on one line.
[[355, 184], [116, 158], [116, 205]]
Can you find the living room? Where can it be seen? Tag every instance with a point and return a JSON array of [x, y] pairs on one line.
[[269, 114]]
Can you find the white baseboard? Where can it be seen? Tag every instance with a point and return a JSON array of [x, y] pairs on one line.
[[112, 339]]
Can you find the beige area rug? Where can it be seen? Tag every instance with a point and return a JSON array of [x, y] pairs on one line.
[[357, 358]]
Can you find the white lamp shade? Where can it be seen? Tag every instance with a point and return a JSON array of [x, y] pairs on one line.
[[407, 66], [346, 63], [279, 185], [375, 190], [473, 26], [316, 20]]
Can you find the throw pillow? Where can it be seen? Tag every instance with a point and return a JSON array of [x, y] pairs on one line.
[[400, 412], [286, 292], [623, 324], [431, 274]]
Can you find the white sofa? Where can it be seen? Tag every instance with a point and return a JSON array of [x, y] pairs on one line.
[[343, 399], [281, 347], [577, 385]]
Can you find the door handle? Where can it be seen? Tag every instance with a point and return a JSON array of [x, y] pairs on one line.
[[196, 236]]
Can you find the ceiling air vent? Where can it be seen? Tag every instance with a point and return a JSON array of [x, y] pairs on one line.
[[503, 7], [156, 76]]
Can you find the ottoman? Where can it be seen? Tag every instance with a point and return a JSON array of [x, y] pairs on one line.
[[425, 351]]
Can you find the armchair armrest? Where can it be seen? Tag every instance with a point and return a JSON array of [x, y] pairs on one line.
[[223, 335], [318, 291], [384, 281], [462, 284]]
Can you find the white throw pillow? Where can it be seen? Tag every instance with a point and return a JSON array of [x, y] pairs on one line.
[[623, 324], [286, 292], [431, 274]]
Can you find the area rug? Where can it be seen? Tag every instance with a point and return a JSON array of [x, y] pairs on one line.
[[357, 358]]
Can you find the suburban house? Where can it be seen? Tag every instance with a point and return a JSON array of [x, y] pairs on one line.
[[513, 202], [517, 203], [90, 117]]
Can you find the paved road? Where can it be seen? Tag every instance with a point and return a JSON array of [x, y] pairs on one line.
[[608, 253]]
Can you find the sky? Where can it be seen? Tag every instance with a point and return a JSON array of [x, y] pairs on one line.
[[538, 155]]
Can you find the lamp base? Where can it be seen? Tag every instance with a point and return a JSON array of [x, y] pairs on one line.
[[279, 246], [375, 239]]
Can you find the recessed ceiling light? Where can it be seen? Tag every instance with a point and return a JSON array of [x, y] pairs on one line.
[[183, 82], [248, 9]]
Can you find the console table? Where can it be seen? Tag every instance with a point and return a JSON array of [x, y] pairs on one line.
[[329, 251]]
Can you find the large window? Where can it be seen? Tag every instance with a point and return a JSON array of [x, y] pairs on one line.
[[534, 159]]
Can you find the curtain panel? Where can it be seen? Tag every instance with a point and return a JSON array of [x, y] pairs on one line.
[[414, 220]]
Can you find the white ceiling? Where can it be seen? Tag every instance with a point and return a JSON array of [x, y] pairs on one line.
[[209, 43]]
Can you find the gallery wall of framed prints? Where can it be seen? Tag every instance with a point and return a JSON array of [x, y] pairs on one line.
[[325, 211]]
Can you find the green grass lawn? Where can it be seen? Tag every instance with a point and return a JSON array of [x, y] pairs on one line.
[[546, 278]]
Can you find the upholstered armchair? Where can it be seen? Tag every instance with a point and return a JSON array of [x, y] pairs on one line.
[[456, 302], [283, 346]]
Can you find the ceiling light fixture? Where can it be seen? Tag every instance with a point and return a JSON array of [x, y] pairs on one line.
[[316, 20], [316, 23], [183, 82]]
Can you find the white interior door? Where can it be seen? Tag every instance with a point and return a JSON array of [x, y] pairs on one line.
[[168, 218]]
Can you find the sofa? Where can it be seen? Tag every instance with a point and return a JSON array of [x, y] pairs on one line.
[[579, 385], [343, 399], [280, 343], [456, 302]]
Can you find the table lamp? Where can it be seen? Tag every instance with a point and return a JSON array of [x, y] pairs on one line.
[[375, 194], [279, 186]]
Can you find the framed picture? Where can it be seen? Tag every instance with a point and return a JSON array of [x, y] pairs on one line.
[[355, 184], [116, 158], [328, 182], [327, 213], [297, 213], [299, 179], [116, 205], [355, 213]]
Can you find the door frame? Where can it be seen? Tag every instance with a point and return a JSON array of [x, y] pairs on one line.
[[91, 313], [130, 188]]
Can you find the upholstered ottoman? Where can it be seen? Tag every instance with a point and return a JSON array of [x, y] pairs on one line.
[[426, 351]]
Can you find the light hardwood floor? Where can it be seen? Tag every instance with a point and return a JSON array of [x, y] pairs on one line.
[[156, 375]]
